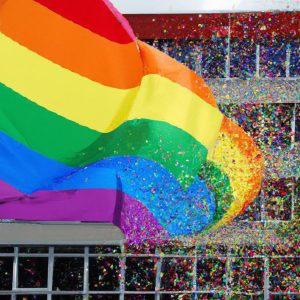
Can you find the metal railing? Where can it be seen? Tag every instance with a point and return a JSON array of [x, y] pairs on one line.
[[160, 268]]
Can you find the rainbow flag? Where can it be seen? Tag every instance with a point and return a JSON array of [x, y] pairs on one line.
[[97, 126]]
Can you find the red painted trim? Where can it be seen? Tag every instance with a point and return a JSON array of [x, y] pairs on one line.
[[256, 26]]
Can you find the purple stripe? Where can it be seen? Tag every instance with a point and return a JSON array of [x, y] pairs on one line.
[[8, 191], [90, 205], [87, 205], [139, 224]]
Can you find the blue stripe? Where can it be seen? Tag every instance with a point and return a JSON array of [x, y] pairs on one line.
[[29, 171], [25, 169], [179, 211]]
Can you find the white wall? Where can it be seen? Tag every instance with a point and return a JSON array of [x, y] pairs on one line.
[[202, 6]]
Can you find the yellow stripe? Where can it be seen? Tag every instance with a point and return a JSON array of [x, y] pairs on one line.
[[244, 173], [104, 108]]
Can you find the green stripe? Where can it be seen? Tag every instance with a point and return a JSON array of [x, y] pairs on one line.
[[217, 181], [75, 145]]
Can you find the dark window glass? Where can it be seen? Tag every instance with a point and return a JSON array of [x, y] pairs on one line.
[[284, 275], [6, 249], [33, 249], [295, 59], [105, 249], [139, 297], [177, 297], [270, 125], [104, 297], [278, 198], [69, 249], [67, 297], [211, 274], [68, 274], [140, 274], [273, 60], [185, 51], [177, 274], [31, 297], [247, 275], [214, 58], [33, 272], [242, 58], [278, 125], [6, 269], [208, 296], [104, 273]]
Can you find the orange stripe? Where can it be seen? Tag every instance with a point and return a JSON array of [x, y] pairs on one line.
[[157, 62], [71, 45], [245, 143], [2, 2], [81, 51]]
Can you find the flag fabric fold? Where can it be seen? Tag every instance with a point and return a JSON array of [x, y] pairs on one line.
[[96, 126]]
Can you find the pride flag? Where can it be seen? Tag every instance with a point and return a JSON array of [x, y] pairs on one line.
[[97, 126]]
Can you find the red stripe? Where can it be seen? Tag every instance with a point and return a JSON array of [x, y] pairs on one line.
[[256, 26], [99, 16]]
